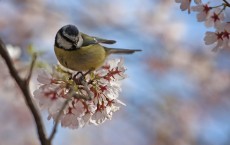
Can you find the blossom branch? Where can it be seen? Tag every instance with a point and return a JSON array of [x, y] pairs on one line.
[[54, 130], [226, 3], [222, 9], [34, 57], [85, 84], [23, 85], [72, 93], [218, 6]]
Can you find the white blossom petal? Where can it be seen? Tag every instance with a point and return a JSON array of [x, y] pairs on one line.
[[210, 38]]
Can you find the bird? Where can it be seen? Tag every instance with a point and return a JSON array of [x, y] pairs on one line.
[[78, 51]]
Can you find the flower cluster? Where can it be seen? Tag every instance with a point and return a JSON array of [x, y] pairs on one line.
[[58, 88], [212, 16]]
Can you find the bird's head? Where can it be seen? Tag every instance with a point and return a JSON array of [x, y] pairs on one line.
[[68, 37]]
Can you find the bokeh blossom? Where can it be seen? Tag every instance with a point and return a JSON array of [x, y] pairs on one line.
[[103, 85], [185, 4], [14, 51]]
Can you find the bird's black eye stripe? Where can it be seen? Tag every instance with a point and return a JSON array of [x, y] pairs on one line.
[[73, 48], [66, 38], [58, 45]]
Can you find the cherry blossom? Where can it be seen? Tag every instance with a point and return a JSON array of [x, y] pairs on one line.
[[214, 18], [185, 4], [203, 11], [211, 16], [103, 84], [220, 37]]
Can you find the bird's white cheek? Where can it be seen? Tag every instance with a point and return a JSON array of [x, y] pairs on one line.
[[80, 41], [63, 43]]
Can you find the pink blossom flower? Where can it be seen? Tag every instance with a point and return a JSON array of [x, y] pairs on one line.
[[211, 16], [103, 84], [220, 37], [214, 18], [185, 4], [203, 11], [44, 77]]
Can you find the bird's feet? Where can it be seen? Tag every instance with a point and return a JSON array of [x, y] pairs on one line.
[[81, 81], [78, 79]]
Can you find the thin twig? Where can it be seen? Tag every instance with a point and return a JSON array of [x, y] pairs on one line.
[[218, 6], [85, 84], [54, 130], [80, 96], [227, 3], [34, 57], [57, 120], [222, 10], [25, 90], [73, 94]]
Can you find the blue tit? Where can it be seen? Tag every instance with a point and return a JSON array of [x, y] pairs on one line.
[[80, 52]]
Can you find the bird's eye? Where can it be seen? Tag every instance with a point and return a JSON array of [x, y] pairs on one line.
[[68, 38]]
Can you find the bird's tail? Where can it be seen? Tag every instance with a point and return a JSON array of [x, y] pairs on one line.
[[120, 51]]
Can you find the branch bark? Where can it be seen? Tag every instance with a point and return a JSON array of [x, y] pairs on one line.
[[71, 94], [23, 85], [227, 3], [57, 120], [27, 79]]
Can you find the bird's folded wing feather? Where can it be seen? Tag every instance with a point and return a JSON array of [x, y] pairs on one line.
[[88, 40]]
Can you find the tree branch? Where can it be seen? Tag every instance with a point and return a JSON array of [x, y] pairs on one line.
[[34, 57], [54, 130], [71, 94], [85, 84], [23, 85], [227, 3]]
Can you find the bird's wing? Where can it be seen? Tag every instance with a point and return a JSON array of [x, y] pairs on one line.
[[88, 40], [120, 50]]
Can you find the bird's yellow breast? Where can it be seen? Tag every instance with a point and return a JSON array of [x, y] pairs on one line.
[[83, 59]]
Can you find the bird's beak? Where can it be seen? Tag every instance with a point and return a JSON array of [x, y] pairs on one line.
[[75, 44]]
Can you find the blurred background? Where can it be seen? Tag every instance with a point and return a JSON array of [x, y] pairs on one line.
[[177, 92]]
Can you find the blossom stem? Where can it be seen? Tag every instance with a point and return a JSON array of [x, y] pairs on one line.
[[54, 130], [57, 120], [27, 96], [34, 57], [226, 3], [218, 6], [222, 10], [84, 83]]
